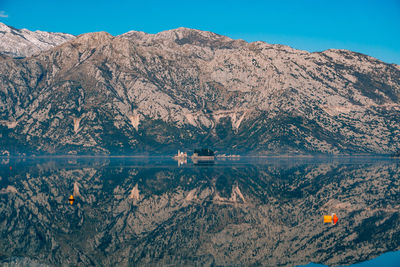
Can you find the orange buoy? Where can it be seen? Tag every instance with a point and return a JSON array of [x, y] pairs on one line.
[[71, 199], [335, 218]]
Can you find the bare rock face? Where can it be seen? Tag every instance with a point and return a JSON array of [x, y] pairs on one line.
[[183, 88], [25, 43]]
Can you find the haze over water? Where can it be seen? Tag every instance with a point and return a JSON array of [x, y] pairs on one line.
[[150, 211]]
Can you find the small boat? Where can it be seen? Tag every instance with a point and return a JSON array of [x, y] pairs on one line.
[[203, 156]]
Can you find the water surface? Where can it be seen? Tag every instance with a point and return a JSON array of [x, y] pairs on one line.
[[150, 211]]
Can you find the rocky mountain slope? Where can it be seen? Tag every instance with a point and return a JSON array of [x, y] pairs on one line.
[[185, 88], [268, 215], [25, 43]]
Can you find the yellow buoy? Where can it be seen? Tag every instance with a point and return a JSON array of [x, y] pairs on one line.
[[327, 219], [71, 199]]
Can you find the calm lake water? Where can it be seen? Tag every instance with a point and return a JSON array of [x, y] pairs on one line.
[[156, 212]]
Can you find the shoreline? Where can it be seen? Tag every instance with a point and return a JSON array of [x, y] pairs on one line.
[[281, 156]]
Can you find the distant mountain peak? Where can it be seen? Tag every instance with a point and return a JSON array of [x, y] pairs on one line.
[[94, 38], [23, 42], [182, 36], [5, 28]]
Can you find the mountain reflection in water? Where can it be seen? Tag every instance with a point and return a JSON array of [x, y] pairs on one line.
[[154, 212]]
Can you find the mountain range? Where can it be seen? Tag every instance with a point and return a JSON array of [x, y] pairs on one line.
[[180, 89]]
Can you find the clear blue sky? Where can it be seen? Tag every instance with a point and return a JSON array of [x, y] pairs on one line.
[[367, 26]]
